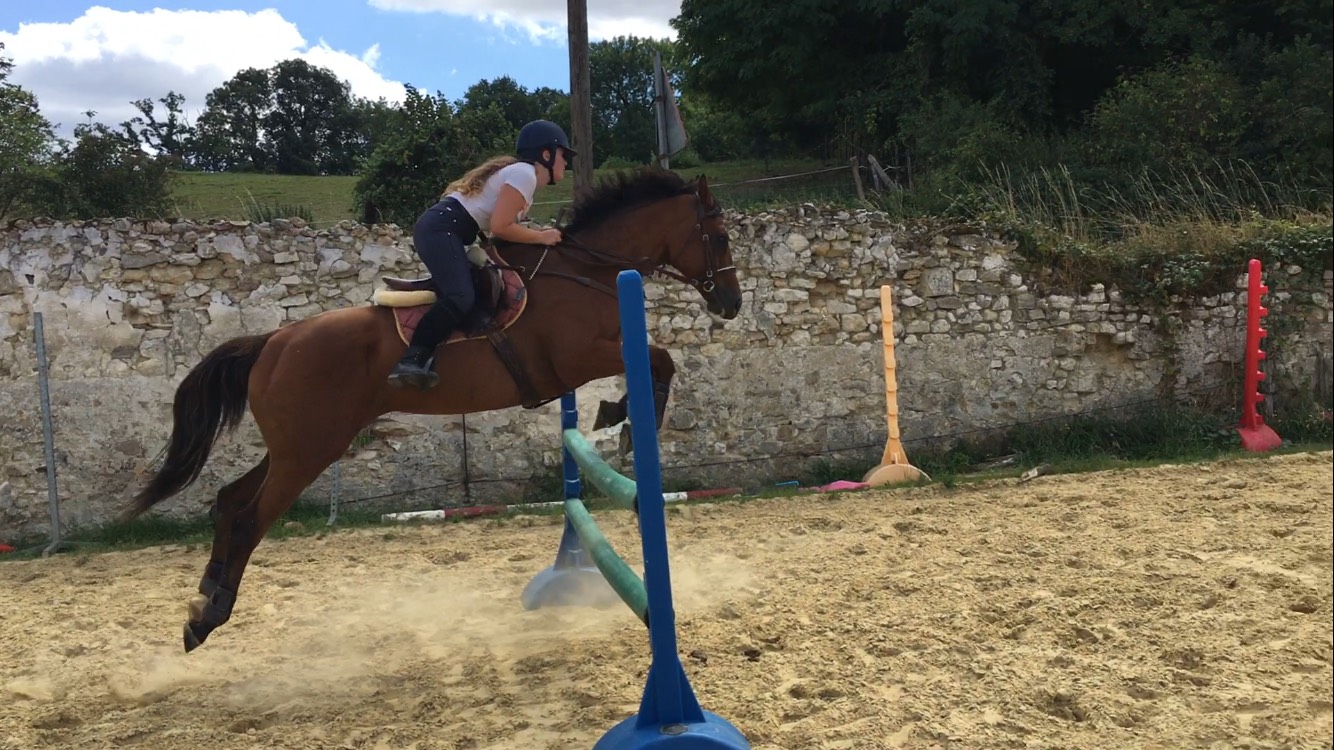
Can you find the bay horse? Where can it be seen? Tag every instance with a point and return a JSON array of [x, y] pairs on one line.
[[314, 384]]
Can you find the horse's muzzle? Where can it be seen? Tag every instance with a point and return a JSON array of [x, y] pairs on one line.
[[724, 302]]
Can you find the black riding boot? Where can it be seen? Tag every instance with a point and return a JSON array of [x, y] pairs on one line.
[[415, 368]]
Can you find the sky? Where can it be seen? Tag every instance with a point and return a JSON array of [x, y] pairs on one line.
[[75, 56]]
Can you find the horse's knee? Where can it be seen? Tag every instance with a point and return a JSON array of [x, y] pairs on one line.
[[662, 390], [610, 413]]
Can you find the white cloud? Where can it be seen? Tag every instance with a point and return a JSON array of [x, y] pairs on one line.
[[105, 59], [545, 20]]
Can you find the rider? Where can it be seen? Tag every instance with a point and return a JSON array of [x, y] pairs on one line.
[[492, 197]]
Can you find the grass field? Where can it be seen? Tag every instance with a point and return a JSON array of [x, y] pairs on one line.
[[329, 199]]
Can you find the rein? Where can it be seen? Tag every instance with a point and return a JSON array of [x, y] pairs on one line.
[[598, 257]]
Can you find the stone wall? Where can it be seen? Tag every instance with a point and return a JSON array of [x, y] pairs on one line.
[[129, 306]]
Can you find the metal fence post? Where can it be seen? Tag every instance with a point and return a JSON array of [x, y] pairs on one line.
[[39, 333], [333, 492]]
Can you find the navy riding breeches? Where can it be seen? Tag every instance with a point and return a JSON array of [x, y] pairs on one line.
[[441, 237]]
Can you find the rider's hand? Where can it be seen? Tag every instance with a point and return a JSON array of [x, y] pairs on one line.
[[549, 236]]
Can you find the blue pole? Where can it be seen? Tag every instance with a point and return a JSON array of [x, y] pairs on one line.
[[569, 420], [669, 715], [669, 699], [571, 554]]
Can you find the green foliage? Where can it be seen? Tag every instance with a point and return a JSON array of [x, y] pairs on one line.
[[515, 104], [621, 94], [1295, 102], [171, 136], [1179, 261], [1138, 433], [1179, 234], [716, 133], [618, 162], [228, 135], [425, 147], [262, 212], [26, 141], [1146, 433], [952, 89], [1171, 117], [1310, 425], [292, 118], [220, 195], [103, 173]]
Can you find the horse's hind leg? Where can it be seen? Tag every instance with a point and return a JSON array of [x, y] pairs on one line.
[[231, 499], [279, 488]]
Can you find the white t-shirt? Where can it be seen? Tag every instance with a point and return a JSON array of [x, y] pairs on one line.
[[480, 205]]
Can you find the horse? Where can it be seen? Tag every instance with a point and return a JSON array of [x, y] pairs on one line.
[[549, 323]]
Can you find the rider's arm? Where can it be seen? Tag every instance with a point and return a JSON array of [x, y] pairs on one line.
[[504, 222]]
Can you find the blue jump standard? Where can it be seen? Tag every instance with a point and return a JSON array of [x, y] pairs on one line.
[[669, 717]]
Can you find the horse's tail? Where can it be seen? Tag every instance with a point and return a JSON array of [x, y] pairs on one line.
[[209, 401]]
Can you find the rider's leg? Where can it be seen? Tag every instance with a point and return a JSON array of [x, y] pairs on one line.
[[446, 258]]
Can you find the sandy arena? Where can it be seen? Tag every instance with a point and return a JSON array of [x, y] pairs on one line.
[[1159, 609]]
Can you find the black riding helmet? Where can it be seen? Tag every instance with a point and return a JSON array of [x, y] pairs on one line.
[[543, 134]]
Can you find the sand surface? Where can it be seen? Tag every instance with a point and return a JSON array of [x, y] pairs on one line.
[[1166, 608]]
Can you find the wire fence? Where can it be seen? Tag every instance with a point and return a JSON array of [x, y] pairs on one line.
[[1216, 392]]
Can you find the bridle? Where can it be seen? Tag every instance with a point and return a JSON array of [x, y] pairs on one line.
[[597, 257]]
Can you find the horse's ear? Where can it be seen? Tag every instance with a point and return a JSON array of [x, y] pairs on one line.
[[702, 187]]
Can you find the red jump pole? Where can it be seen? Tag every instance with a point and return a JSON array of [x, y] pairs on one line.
[[1256, 436]]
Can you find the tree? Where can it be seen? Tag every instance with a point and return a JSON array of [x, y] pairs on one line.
[[421, 150], [311, 124], [621, 94], [515, 103], [798, 68], [104, 173], [1000, 79], [1175, 116], [229, 136], [170, 137], [26, 140], [293, 118]]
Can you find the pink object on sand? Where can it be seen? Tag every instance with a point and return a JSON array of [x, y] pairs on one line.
[[842, 484]]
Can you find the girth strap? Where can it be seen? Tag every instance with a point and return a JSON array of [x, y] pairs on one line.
[[513, 363]]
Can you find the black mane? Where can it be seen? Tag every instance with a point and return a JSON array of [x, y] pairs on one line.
[[620, 191]]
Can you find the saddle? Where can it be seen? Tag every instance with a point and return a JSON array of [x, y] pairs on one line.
[[501, 299]]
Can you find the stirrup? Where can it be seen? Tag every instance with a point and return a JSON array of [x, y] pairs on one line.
[[420, 379], [406, 372]]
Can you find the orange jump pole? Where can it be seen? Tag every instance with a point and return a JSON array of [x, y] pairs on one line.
[[894, 467]]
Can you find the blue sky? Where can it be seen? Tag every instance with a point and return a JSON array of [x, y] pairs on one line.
[[77, 56]]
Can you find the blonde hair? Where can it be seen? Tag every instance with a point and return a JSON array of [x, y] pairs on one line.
[[476, 177]]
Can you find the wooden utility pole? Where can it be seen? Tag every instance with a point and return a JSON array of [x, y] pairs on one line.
[[581, 107]]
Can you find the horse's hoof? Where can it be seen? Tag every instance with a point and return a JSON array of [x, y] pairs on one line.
[[193, 641]]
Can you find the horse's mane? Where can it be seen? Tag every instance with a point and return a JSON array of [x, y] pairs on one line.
[[623, 189]]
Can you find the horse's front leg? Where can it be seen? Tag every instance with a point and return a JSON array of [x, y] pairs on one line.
[[661, 369]]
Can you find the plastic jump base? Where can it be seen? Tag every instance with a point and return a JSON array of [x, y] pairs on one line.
[[669, 716]]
